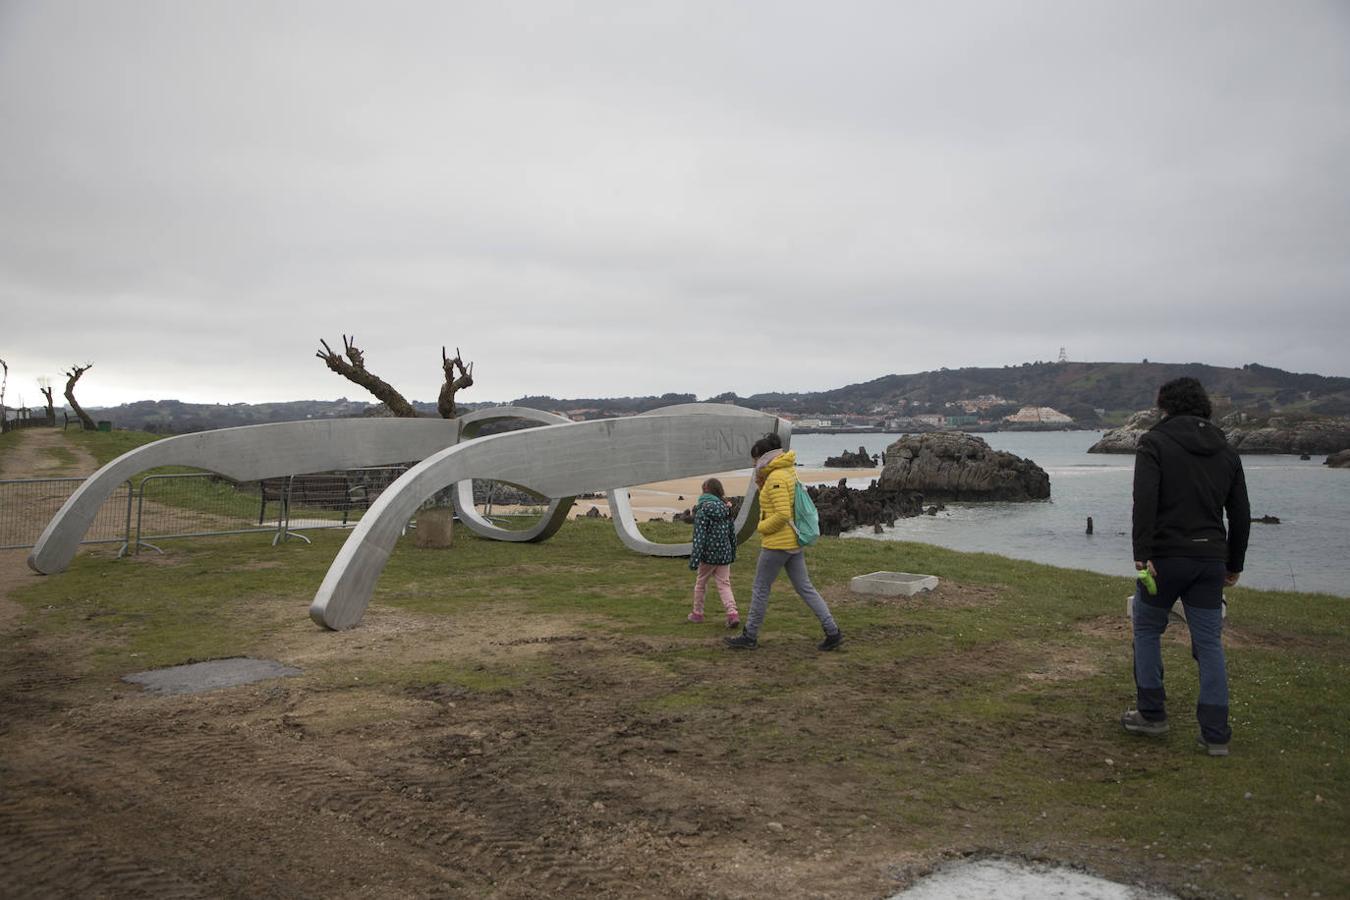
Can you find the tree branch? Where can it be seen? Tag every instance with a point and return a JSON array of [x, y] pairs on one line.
[[355, 372]]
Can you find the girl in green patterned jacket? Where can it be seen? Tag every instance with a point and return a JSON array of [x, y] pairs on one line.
[[714, 550]]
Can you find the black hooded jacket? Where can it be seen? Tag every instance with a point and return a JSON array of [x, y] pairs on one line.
[[1185, 478]]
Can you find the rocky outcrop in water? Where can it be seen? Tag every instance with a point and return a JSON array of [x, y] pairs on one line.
[[1339, 460], [1246, 432], [843, 508], [1286, 434], [850, 460], [959, 466], [1126, 438]]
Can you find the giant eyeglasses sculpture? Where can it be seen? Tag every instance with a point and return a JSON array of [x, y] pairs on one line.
[[560, 459]]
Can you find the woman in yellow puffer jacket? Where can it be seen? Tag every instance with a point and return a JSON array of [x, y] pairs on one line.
[[776, 474]]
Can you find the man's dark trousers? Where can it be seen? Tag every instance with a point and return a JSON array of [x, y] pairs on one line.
[[1198, 583]]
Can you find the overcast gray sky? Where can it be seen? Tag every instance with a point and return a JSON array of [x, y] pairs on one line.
[[604, 199]]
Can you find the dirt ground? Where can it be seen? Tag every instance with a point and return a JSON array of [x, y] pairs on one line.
[[576, 785], [294, 788]]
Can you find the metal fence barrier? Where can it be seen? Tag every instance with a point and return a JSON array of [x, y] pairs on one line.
[[25, 418], [26, 506], [195, 504]]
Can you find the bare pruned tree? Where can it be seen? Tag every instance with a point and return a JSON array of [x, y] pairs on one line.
[[458, 375], [45, 385], [71, 377], [445, 403], [353, 368]]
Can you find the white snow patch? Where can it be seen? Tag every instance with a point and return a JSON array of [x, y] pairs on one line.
[[998, 879]]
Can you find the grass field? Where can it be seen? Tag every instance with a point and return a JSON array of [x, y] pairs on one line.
[[980, 718]]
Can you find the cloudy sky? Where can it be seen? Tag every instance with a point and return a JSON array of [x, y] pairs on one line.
[[614, 198]]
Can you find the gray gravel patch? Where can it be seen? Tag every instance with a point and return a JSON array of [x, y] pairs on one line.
[[209, 676]]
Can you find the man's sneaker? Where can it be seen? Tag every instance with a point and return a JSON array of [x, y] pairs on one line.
[[741, 641], [1135, 723], [831, 641], [1212, 749]]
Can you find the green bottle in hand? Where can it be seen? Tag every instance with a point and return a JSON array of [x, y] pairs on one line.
[[1146, 579]]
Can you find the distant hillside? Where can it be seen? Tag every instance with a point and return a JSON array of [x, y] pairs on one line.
[[1076, 388], [177, 417]]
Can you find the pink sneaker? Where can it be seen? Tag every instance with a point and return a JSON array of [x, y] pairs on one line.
[[733, 621], [696, 617]]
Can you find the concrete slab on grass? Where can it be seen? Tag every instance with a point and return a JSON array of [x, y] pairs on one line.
[[209, 676], [1000, 879], [892, 584]]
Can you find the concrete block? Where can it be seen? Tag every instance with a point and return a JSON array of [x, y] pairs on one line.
[[194, 678], [892, 584], [435, 528]]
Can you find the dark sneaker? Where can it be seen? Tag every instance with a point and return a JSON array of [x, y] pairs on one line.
[[1135, 723], [1212, 749], [831, 641], [741, 641]]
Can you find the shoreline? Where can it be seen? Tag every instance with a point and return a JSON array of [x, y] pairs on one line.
[[663, 499]]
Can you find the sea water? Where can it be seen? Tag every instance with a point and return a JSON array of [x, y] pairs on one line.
[[1308, 551]]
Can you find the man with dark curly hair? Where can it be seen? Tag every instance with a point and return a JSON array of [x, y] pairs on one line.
[[1186, 478]]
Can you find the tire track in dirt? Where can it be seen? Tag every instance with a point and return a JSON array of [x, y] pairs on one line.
[[466, 830], [40, 860], [28, 685]]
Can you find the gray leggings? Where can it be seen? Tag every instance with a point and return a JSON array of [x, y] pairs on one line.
[[771, 562]]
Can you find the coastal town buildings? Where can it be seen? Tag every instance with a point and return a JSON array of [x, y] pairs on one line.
[[982, 402]]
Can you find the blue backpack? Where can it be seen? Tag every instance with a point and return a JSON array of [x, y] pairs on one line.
[[805, 518]]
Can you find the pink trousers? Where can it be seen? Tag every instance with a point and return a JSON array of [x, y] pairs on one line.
[[722, 576]]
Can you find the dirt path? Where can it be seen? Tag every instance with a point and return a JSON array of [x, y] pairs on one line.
[[32, 456]]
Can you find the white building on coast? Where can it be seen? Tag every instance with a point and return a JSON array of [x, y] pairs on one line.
[[1039, 415]]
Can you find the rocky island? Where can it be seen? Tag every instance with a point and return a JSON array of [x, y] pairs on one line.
[[960, 466], [926, 469], [1247, 432]]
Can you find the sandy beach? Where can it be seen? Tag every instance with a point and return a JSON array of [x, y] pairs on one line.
[[663, 499]]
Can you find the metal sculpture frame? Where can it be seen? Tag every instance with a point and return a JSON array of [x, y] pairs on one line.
[[618, 499], [246, 453], [620, 502], [552, 518], [555, 460]]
